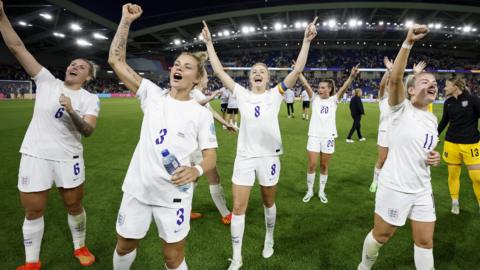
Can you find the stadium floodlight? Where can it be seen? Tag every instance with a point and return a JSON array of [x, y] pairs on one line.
[[277, 26], [109, 72], [284, 26], [57, 34], [474, 29], [324, 23], [438, 26], [431, 25], [83, 43], [265, 27], [352, 23], [22, 23], [467, 28], [200, 37], [332, 23], [388, 23], [359, 23], [380, 23], [452, 27], [46, 16], [220, 34], [75, 27], [304, 24], [99, 36], [298, 24], [226, 33], [409, 24], [251, 29], [176, 41], [245, 30], [141, 73]]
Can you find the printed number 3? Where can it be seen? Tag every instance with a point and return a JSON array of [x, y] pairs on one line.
[[163, 133], [76, 168], [181, 216], [59, 113]]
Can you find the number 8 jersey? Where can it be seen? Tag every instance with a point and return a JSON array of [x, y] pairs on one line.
[[322, 123], [412, 134]]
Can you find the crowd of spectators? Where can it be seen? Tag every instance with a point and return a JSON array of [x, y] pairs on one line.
[[340, 59]]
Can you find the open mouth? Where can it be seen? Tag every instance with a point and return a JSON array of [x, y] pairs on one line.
[[73, 74], [258, 80], [177, 76], [432, 91]]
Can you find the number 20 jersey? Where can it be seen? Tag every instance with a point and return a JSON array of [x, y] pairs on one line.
[[322, 123], [412, 134]]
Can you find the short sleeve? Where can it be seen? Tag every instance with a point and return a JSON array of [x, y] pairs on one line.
[[147, 90], [207, 137], [93, 106], [277, 94], [239, 92], [43, 77]]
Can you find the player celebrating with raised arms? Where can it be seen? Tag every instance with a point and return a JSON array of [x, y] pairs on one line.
[[461, 112], [159, 179], [259, 142], [52, 150], [322, 130], [405, 188]]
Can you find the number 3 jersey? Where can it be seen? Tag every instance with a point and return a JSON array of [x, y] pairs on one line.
[[412, 134], [51, 134], [179, 126], [322, 123], [259, 133]]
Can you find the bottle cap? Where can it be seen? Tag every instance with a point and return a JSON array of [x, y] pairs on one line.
[[165, 152]]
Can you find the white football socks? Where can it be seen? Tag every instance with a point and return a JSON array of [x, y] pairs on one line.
[[123, 262], [423, 258], [78, 226], [370, 252], [237, 227], [218, 196], [32, 238]]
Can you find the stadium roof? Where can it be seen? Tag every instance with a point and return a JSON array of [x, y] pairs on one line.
[[174, 25]]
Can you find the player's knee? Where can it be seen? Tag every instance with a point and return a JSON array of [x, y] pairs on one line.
[[173, 259], [323, 168], [312, 166], [125, 247], [74, 207], [239, 209], [382, 237], [32, 214], [424, 243]]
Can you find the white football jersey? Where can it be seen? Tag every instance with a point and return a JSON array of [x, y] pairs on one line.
[[384, 112], [305, 96], [51, 133], [259, 133], [322, 123], [225, 94], [181, 127], [289, 96], [232, 102], [412, 134]]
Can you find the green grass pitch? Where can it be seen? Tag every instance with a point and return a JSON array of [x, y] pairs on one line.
[[307, 236]]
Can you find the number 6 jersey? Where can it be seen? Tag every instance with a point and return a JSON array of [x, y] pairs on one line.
[[412, 134]]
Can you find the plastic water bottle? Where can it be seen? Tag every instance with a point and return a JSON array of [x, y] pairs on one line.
[[171, 164]]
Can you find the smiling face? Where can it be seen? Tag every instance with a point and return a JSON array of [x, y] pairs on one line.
[[424, 88], [78, 72], [185, 74], [259, 76]]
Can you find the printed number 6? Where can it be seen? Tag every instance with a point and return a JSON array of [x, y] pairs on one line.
[[59, 113], [76, 168]]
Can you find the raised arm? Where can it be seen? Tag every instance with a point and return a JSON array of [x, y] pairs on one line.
[[418, 68], [395, 85], [353, 73], [227, 81], [310, 33], [209, 98], [383, 83], [118, 49], [16, 46], [307, 86]]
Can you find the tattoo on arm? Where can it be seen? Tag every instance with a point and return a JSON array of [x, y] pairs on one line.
[[82, 126], [118, 49]]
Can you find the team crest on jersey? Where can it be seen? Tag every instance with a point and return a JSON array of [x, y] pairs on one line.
[[465, 103], [121, 219], [393, 213]]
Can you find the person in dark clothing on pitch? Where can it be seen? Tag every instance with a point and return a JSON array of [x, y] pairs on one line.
[[356, 110]]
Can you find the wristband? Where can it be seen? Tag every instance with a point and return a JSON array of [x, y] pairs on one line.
[[407, 46], [199, 169]]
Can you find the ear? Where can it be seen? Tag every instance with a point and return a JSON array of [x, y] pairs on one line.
[[410, 91]]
